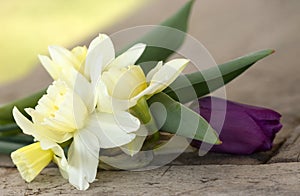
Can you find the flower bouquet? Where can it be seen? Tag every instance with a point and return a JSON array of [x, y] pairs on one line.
[[132, 109]]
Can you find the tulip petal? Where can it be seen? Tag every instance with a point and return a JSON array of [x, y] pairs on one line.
[[113, 130], [246, 129], [101, 52], [83, 159], [241, 137], [129, 57]]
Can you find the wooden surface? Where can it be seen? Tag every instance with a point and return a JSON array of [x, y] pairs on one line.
[[228, 29]]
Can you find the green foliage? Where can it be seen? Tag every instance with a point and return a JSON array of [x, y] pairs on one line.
[[191, 86], [175, 118]]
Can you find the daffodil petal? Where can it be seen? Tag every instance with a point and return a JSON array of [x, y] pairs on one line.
[[164, 77], [134, 146], [104, 102], [154, 71], [168, 73], [38, 132], [62, 56], [96, 72], [129, 57], [125, 162], [113, 130], [109, 104], [26, 125], [52, 68], [81, 86], [101, 52], [126, 121], [59, 158], [148, 92], [28, 128], [83, 159]]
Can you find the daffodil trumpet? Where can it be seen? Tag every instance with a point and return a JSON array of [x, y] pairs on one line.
[[31, 160]]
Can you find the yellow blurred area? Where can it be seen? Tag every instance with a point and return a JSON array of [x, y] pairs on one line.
[[28, 27]]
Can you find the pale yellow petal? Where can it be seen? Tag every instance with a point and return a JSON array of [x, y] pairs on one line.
[[83, 159], [129, 57], [52, 68], [134, 146], [63, 57], [154, 71], [124, 83], [100, 52], [164, 77], [111, 131]]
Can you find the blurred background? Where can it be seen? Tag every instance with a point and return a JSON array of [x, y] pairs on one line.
[[28, 27], [228, 29]]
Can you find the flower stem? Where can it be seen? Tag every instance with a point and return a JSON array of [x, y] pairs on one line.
[[142, 111]]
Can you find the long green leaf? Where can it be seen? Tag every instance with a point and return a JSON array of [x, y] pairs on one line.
[[9, 147], [8, 127], [163, 41], [173, 117], [30, 101], [191, 86], [19, 138], [9, 130]]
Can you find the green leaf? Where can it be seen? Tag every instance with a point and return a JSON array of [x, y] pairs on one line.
[[19, 138], [191, 86], [175, 118], [9, 147], [30, 101], [9, 130], [161, 41]]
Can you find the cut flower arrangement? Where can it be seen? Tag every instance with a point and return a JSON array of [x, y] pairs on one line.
[[98, 109]]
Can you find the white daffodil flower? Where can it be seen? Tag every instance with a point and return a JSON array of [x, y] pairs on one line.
[[62, 115], [123, 84], [80, 66], [84, 67]]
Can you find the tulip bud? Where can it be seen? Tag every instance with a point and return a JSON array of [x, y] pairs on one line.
[[246, 129]]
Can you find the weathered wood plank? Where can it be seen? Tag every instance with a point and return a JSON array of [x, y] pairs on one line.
[[278, 179], [290, 150]]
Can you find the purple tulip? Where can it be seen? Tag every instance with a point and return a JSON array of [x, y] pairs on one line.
[[246, 129]]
